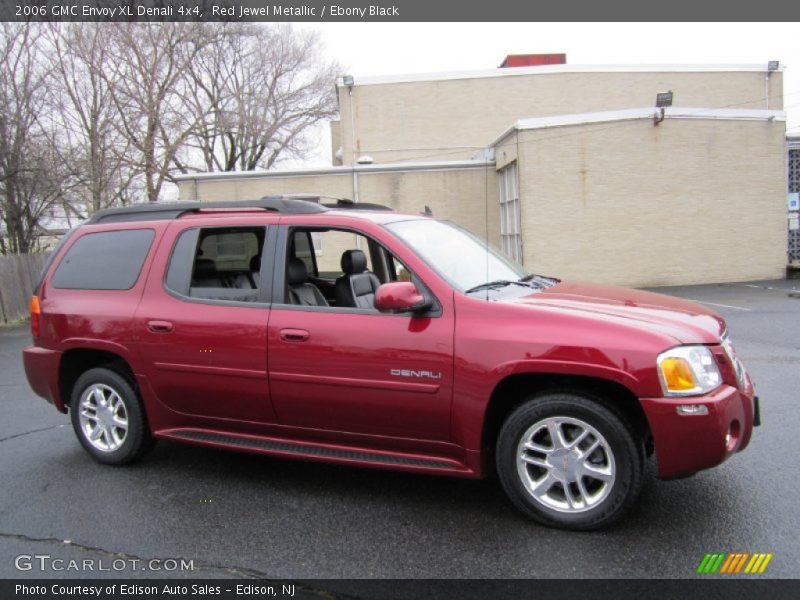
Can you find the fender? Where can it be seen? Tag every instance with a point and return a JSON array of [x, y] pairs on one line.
[[472, 401], [561, 367], [102, 345]]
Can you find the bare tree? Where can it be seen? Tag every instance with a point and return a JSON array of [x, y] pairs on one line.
[[31, 182], [258, 93], [148, 77], [96, 150]]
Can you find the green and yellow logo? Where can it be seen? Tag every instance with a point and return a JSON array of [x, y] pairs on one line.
[[734, 562]]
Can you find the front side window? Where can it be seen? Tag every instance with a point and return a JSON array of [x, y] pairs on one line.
[[108, 260], [220, 263], [346, 275]]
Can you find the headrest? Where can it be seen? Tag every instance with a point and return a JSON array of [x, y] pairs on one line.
[[204, 268], [353, 262], [255, 264], [296, 272]]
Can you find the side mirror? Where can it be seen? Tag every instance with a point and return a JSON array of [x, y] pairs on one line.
[[400, 296]]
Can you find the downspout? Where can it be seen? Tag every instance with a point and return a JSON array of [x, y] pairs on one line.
[[353, 144]]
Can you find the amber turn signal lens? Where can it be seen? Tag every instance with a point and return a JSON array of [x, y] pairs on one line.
[[678, 374], [36, 313]]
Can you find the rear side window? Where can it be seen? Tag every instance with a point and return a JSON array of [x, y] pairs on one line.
[[109, 260], [218, 264]]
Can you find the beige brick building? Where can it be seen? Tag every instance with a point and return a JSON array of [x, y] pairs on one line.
[[564, 168]]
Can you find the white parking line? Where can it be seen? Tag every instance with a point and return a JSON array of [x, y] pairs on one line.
[[722, 305]]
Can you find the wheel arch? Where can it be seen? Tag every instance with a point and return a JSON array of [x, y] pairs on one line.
[[514, 389], [76, 361]]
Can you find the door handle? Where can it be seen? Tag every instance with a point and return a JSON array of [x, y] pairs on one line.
[[294, 335], [159, 326]]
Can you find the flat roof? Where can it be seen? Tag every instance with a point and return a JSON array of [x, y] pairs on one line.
[[394, 167], [555, 69], [673, 112]]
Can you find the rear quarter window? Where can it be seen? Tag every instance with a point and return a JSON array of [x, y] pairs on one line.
[[107, 260]]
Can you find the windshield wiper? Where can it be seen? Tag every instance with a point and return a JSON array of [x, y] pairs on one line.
[[496, 284], [540, 280], [529, 281]]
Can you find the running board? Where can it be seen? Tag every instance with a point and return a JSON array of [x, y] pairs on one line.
[[318, 452]]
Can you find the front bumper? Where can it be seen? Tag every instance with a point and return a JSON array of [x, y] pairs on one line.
[[41, 369], [687, 443]]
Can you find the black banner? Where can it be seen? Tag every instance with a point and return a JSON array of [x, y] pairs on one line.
[[396, 10], [404, 589]]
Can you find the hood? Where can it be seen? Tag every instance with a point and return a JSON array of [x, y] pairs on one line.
[[686, 321]]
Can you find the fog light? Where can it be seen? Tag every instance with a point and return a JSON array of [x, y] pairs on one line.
[[692, 409]]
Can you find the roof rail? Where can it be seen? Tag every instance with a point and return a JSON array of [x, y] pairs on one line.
[[339, 202], [344, 203], [173, 210]]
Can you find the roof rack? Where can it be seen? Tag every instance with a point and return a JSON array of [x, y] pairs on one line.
[[344, 203], [339, 202], [173, 210]]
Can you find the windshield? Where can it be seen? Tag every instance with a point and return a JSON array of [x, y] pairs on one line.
[[457, 255]]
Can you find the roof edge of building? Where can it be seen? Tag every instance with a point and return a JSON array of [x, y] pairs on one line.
[[673, 112], [556, 69], [339, 170]]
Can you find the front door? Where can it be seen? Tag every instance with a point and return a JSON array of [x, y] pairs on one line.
[[339, 368]]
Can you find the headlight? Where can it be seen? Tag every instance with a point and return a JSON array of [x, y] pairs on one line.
[[688, 371], [738, 367]]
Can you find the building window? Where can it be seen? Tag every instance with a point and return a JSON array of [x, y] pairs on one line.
[[510, 226]]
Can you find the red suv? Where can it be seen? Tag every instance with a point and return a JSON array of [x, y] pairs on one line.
[[352, 334]]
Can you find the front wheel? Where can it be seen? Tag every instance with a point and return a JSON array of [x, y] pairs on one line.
[[108, 418], [567, 461]]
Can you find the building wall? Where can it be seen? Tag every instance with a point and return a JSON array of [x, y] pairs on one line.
[[462, 195], [453, 119], [689, 201]]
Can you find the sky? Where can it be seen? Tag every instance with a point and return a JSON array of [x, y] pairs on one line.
[[366, 49]]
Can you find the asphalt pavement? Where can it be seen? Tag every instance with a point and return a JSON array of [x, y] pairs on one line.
[[237, 515]]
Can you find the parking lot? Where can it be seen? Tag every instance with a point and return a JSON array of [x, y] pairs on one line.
[[237, 515]]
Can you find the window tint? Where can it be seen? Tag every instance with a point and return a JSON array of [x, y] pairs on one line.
[[217, 264], [109, 260]]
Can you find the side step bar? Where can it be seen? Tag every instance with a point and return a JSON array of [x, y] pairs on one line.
[[318, 452]]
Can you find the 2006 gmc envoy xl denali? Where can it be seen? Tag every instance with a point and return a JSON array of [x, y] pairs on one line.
[[421, 350]]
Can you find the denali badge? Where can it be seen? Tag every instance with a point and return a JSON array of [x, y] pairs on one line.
[[419, 374]]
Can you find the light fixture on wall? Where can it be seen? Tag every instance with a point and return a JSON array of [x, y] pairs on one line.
[[348, 80], [772, 66], [663, 100]]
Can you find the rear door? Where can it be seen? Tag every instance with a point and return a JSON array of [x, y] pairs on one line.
[[202, 324]]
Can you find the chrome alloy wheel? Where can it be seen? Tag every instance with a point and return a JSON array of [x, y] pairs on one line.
[[565, 464], [103, 417]]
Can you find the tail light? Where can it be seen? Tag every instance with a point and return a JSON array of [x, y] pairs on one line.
[[36, 314]]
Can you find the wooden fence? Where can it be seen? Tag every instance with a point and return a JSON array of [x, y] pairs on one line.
[[18, 274]]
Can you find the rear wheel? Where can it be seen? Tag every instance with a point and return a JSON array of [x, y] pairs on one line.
[[108, 418], [568, 461]]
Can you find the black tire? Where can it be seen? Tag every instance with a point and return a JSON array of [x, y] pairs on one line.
[[626, 462], [136, 441]]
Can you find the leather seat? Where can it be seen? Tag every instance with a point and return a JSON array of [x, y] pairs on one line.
[[302, 292], [205, 273], [357, 287]]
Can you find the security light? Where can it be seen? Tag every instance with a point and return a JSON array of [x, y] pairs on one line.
[[773, 65], [348, 80], [664, 99]]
